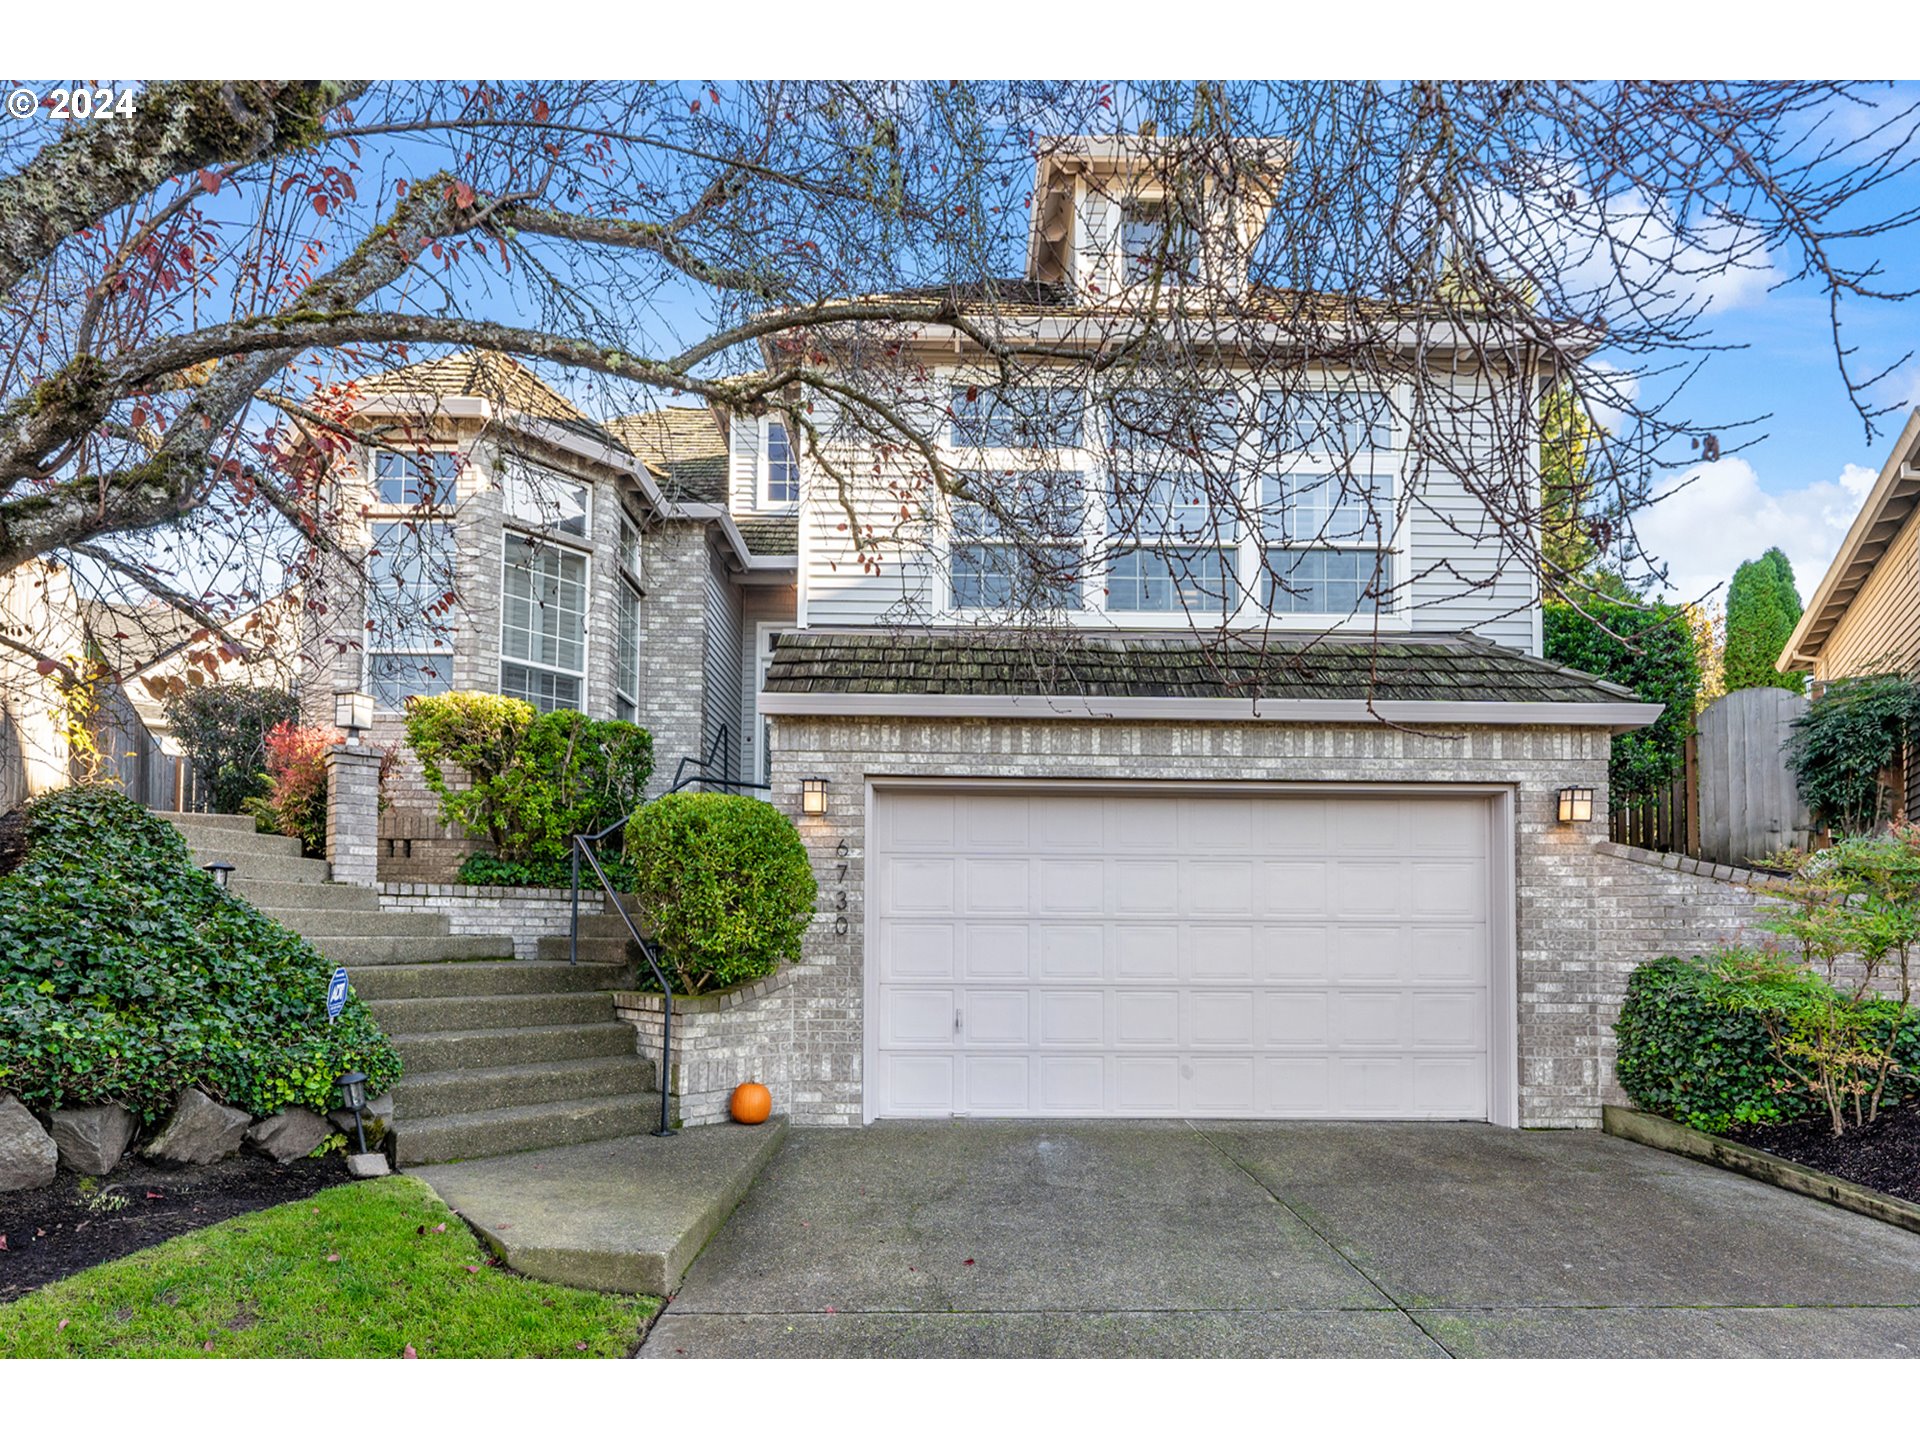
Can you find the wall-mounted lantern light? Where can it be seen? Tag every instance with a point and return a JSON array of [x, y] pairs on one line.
[[813, 796], [1576, 805], [353, 712], [219, 870]]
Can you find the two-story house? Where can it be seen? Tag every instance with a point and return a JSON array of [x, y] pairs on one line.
[[1263, 809]]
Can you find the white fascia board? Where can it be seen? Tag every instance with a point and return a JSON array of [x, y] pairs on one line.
[[1615, 716], [723, 517], [425, 404]]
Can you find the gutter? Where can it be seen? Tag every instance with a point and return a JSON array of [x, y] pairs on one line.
[[1616, 717]]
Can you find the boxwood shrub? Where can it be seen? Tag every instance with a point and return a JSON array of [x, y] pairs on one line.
[[1694, 1050], [725, 884], [126, 975]]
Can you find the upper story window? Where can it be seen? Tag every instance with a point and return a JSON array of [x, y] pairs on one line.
[[989, 571], [1203, 426], [544, 499], [779, 466], [1155, 235], [1348, 425], [543, 624], [1173, 548], [1016, 417], [628, 553], [415, 478], [410, 601]]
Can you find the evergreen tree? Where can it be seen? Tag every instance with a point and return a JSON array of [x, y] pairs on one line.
[[1762, 608]]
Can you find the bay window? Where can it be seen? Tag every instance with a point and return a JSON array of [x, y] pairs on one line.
[[410, 597], [544, 499]]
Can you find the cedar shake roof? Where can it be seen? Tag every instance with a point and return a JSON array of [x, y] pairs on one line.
[[504, 381], [1418, 667], [770, 534], [683, 443]]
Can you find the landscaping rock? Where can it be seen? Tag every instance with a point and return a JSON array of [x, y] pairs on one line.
[[91, 1141], [200, 1132], [377, 1117], [289, 1134], [28, 1156]]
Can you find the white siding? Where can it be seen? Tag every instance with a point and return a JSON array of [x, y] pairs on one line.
[[1460, 572], [720, 706], [743, 463]]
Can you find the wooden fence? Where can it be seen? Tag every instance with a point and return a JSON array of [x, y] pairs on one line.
[[1735, 800], [132, 758]]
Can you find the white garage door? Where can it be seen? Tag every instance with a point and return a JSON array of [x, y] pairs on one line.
[[1268, 954]]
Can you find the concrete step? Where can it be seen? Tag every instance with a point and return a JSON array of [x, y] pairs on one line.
[[462, 1092], [362, 922], [486, 977], [201, 837], [274, 896], [255, 866], [605, 925], [524, 1045], [356, 950], [243, 823], [524, 1127], [432, 1014], [623, 1215], [607, 951]]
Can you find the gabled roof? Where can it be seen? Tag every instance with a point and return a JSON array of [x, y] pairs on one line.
[[485, 375], [1437, 668], [1887, 508], [684, 444]]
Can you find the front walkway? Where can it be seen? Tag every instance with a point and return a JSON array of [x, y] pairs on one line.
[[1167, 1238]]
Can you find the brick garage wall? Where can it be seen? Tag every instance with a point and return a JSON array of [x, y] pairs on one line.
[[719, 1041], [1565, 999], [525, 914]]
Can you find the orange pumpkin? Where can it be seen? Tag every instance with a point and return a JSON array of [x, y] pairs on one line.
[[752, 1103]]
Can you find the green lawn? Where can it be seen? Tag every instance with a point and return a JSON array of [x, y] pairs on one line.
[[362, 1270]]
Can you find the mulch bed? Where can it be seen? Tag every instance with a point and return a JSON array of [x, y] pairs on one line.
[[53, 1232], [1884, 1155]]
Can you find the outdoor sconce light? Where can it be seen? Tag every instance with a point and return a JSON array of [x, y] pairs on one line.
[[220, 870], [813, 796], [353, 712], [1576, 805]]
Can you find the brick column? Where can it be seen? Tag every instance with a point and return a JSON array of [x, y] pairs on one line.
[[353, 814]]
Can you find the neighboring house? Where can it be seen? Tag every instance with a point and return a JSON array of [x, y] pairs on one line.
[[1864, 617], [1105, 871]]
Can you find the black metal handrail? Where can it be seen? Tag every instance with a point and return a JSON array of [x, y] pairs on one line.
[[582, 848]]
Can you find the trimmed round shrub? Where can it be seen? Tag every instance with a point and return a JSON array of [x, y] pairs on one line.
[[724, 883], [126, 975], [1693, 1042]]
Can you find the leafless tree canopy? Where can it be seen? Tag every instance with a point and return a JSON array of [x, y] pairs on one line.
[[191, 295]]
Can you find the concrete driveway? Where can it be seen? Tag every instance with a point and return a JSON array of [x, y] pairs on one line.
[[1167, 1238]]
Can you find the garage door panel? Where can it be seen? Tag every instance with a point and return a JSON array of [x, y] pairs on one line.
[[996, 1017], [989, 952], [1073, 1085], [910, 1016], [1147, 952], [1219, 952], [918, 951], [1061, 953], [1219, 1017], [1072, 952], [998, 1085], [1073, 1017]]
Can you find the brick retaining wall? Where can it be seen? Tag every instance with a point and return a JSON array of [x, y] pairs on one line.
[[523, 912], [719, 1041]]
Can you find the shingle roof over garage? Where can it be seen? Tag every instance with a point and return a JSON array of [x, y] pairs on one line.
[[1412, 668]]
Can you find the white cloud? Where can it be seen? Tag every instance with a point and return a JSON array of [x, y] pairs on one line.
[[1707, 520]]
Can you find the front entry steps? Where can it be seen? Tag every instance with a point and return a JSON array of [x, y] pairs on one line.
[[626, 1215], [501, 1055]]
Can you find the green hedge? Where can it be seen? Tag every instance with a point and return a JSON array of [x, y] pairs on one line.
[[725, 883], [1686, 1052], [126, 975], [1654, 657]]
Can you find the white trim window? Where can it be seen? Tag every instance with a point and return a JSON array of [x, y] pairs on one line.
[[1172, 551], [543, 624], [1015, 417], [626, 622], [1326, 507], [545, 500], [411, 594], [989, 571], [1155, 232], [779, 465]]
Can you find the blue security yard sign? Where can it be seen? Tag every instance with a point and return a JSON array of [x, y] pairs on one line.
[[336, 994]]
